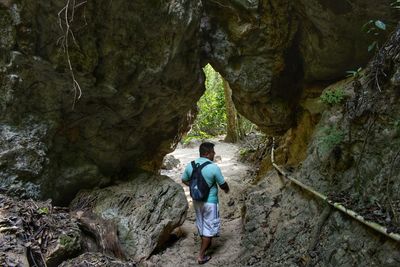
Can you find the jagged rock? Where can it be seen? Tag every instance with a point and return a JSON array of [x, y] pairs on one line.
[[139, 71], [284, 226], [96, 260], [146, 210], [353, 157], [266, 50], [170, 162], [130, 59], [36, 232]]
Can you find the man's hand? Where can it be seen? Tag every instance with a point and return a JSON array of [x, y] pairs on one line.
[[225, 187]]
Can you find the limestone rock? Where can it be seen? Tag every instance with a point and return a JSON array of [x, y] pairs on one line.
[[146, 210], [130, 58], [170, 162], [266, 50], [285, 227], [138, 66]]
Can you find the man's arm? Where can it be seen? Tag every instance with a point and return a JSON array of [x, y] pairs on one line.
[[221, 180], [186, 176], [225, 187]]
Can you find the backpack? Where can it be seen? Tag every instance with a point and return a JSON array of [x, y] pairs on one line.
[[198, 186]]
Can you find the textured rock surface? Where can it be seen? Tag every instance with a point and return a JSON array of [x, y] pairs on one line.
[[267, 49], [145, 209], [356, 145], [355, 151], [139, 68], [170, 162], [130, 58], [283, 226]]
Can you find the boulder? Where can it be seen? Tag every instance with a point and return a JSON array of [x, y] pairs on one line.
[[170, 162], [129, 58], [146, 210]]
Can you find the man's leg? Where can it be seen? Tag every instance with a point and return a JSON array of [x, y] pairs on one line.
[[205, 244]]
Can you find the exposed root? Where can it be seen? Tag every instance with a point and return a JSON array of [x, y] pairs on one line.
[[65, 19]]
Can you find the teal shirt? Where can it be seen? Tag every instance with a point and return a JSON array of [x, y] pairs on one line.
[[211, 173]]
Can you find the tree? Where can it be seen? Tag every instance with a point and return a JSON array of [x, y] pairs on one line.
[[232, 132]]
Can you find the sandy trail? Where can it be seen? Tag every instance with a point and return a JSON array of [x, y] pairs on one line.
[[225, 249]]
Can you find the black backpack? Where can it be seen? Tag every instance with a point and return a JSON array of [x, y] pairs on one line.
[[198, 186]]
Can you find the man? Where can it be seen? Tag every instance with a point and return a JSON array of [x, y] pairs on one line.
[[207, 213]]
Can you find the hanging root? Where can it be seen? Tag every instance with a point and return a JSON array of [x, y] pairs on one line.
[[65, 19]]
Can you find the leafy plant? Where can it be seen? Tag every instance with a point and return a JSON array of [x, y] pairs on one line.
[[374, 28], [395, 4], [329, 138], [333, 96], [211, 119], [43, 210], [354, 73]]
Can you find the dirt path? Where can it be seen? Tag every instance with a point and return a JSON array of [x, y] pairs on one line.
[[225, 249]]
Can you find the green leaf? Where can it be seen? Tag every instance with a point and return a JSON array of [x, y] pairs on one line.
[[372, 46], [379, 24]]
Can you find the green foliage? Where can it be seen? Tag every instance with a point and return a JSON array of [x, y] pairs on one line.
[[329, 138], [43, 210], [69, 242], [65, 240], [333, 96], [395, 4], [354, 73], [375, 28], [211, 119]]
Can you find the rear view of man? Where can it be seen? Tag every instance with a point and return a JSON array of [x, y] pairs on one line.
[[207, 213]]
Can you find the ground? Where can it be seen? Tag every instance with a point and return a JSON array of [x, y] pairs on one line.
[[183, 251]]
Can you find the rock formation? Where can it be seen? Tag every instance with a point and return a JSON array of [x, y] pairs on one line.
[[145, 210], [353, 157], [269, 50], [139, 73]]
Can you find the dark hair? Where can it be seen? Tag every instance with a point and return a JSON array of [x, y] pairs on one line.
[[206, 148]]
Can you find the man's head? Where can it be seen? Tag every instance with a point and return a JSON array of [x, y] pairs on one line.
[[207, 150]]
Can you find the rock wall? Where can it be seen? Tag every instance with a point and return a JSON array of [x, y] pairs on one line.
[[138, 69], [284, 226], [353, 157], [267, 50]]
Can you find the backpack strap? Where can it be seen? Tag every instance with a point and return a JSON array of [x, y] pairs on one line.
[[204, 164], [196, 166]]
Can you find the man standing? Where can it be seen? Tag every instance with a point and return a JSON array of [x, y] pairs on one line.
[[207, 213]]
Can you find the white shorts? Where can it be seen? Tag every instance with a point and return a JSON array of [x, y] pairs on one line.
[[207, 218]]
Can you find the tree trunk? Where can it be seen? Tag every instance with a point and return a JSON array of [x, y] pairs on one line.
[[231, 115]]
